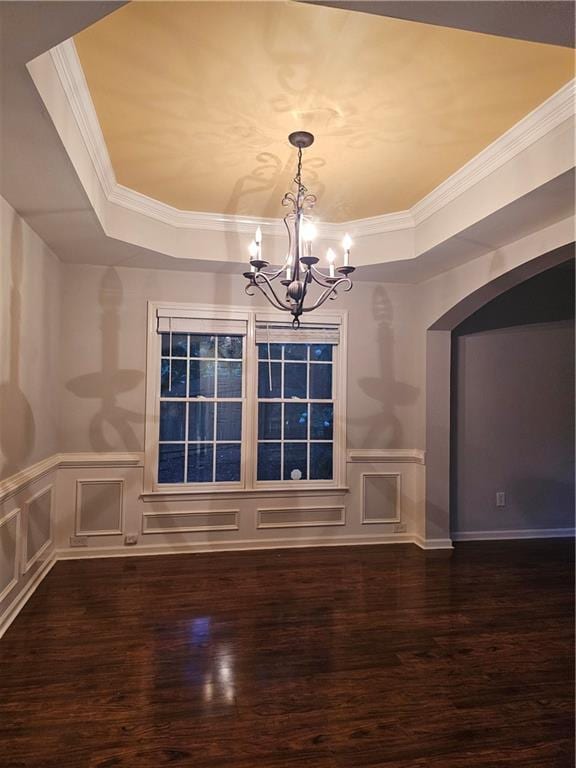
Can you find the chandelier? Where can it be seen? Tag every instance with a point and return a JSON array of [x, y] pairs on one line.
[[300, 269]]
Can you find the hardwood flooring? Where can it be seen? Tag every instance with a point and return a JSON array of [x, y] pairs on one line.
[[352, 657]]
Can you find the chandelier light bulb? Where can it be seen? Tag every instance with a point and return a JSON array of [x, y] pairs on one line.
[[346, 244], [331, 257], [308, 231], [253, 251], [258, 238]]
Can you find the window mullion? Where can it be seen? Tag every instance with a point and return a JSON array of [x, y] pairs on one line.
[[247, 472], [186, 409], [308, 413], [214, 421], [282, 416]]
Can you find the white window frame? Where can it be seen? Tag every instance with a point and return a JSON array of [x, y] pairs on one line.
[[248, 483]]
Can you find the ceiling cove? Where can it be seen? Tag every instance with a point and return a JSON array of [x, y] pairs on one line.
[[554, 112], [193, 103]]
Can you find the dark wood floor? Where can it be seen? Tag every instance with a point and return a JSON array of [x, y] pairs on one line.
[[319, 658]]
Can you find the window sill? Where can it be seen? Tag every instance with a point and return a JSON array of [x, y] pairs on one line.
[[242, 493]]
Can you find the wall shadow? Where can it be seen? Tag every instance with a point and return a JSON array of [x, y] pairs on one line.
[[111, 381], [17, 425], [383, 427]]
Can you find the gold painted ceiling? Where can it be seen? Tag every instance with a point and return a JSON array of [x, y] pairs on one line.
[[196, 100]]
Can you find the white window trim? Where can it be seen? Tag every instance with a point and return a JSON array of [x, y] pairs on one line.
[[248, 483]]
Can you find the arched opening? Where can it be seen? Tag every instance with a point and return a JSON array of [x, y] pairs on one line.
[[512, 412], [439, 422]]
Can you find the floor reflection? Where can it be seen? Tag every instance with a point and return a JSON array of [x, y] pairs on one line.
[[214, 669]]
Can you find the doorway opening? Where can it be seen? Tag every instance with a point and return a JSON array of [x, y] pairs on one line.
[[512, 413]]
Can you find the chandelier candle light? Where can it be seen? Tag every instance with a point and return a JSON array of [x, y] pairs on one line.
[[299, 271]]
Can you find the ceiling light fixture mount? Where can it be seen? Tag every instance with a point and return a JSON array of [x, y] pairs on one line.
[[299, 270]]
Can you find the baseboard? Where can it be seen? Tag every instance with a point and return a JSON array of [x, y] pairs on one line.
[[532, 533], [22, 597], [228, 546], [432, 543]]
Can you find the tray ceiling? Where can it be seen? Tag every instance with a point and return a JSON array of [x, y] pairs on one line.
[[195, 101]]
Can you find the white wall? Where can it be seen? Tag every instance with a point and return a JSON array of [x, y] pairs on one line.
[[29, 405], [29, 344]]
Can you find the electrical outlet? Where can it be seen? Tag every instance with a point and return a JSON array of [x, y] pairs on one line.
[[400, 528], [78, 541], [500, 499], [130, 539]]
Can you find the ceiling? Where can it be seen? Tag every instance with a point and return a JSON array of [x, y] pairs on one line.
[[195, 101], [39, 180]]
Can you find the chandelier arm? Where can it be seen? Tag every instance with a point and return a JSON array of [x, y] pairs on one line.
[[291, 254], [319, 277], [328, 293], [308, 201], [289, 199], [265, 281], [271, 275], [272, 299]]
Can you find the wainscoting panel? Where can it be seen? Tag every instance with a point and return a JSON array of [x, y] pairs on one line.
[[99, 507], [188, 522], [301, 517], [38, 517], [9, 548], [381, 495], [100, 510], [27, 525], [387, 491]]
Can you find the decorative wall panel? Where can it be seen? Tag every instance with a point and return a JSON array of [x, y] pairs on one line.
[[301, 518], [381, 497], [38, 525], [180, 522], [99, 507], [9, 545]]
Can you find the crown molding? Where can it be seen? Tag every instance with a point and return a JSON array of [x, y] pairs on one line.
[[545, 118], [71, 74], [536, 124], [221, 222], [167, 214]]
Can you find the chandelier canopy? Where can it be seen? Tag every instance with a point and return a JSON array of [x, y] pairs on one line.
[[300, 269]]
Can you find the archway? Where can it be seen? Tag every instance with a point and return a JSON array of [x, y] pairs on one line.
[[438, 387]]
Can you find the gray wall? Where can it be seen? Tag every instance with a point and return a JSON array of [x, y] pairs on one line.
[[513, 385]]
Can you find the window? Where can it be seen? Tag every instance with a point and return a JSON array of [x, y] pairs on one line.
[[295, 412], [240, 401], [200, 429]]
